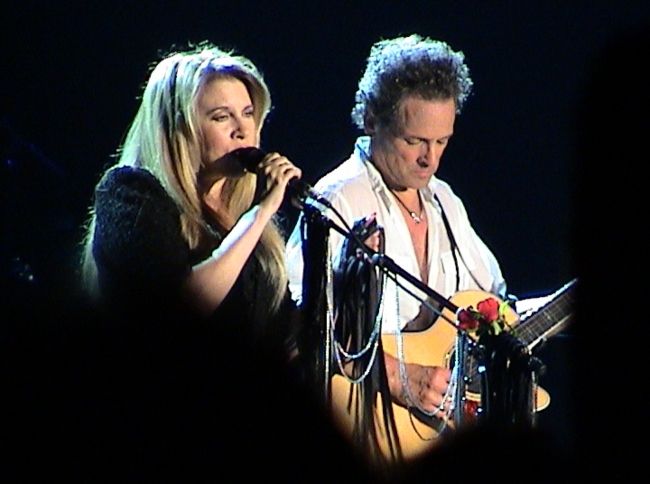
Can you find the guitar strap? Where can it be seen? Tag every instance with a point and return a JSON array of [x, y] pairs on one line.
[[455, 249]]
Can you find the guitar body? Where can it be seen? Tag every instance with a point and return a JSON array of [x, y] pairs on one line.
[[433, 346]]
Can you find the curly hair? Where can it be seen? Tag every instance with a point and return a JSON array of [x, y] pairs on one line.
[[409, 66]]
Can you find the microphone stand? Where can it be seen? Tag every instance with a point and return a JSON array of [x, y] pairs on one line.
[[388, 264], [324, 355], [464, 347], [380, 260]]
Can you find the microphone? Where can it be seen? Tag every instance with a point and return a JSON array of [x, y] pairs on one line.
[[250, 157]]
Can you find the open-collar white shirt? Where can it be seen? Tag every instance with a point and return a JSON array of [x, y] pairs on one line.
[[356, 189]]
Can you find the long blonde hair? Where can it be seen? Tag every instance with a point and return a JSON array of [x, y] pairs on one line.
[[164, 139]]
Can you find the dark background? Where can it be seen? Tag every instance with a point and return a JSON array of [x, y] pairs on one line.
[[72, 73]]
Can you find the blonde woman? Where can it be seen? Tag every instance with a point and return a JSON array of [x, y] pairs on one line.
[[173, 229]]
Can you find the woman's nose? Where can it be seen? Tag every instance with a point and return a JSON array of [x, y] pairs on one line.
[[240, 129]]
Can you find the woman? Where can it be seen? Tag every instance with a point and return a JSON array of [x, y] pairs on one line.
[[196, 367], [172, 230]]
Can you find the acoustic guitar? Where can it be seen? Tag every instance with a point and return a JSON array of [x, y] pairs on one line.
[[417, 433]]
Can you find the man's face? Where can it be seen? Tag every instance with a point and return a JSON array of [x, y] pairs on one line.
[[409, 156]]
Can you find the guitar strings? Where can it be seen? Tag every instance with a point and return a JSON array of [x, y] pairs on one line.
[[410, 401]]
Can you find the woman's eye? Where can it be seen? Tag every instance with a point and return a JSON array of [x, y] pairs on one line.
[[412, 141], [249, 113], [220, 117]]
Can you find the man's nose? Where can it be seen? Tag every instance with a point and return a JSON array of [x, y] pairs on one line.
[[429, 153]]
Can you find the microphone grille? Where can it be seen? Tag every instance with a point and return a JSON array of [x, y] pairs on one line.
[[249, 157]]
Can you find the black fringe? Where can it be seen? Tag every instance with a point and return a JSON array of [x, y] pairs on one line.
[[358, 291], [508, 391], [315, 240]]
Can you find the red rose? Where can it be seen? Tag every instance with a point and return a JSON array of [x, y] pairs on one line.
[[466, 320], [489, 308]]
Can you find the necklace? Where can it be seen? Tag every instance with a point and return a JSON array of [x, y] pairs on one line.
[[416, 218]]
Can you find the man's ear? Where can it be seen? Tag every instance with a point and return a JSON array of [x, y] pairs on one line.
[[369, 124]]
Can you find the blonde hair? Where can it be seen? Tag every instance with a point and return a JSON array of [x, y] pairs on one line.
[[164, 139]]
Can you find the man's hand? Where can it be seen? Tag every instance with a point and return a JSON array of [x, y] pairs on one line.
[[427, 386]]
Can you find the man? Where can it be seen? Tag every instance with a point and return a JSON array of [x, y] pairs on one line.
[[406, 103]]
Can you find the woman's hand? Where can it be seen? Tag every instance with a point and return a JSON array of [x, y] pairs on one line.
[[278, 171], [212, 279]]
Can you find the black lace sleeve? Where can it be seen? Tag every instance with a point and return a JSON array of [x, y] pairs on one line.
[[138, 244]]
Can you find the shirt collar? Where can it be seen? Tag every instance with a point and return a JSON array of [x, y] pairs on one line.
[[362, 154]]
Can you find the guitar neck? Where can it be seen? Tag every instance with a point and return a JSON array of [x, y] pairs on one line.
[[549, 319]]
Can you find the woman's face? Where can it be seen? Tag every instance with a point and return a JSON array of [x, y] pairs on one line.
[[226, 118]]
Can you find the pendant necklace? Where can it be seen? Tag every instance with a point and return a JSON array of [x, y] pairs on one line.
[[416, 218]]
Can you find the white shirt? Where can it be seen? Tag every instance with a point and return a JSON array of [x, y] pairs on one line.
[[356, 189]]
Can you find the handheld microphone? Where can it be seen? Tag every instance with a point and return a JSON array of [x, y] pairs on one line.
[[250, 157]]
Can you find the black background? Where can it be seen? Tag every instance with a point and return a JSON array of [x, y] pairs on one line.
[[72, 73]]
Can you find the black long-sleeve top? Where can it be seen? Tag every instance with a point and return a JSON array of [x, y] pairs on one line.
[[143, 259]]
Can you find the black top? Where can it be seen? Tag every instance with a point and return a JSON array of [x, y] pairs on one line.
[[145, 390], [142, 260]]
